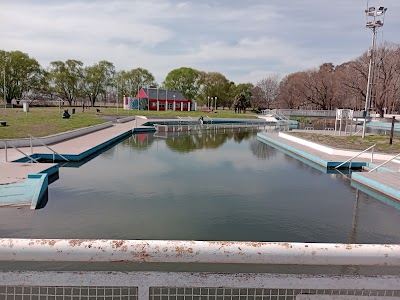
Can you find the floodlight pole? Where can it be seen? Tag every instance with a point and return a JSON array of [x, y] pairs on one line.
[[373, 25], [369, 83]]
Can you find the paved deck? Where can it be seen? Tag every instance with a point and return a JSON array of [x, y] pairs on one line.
[[386, 180], [18, 185], [18, 172]]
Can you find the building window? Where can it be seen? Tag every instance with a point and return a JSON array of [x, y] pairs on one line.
[[177, 105], [162, 105], [169, 105], [184, 105]]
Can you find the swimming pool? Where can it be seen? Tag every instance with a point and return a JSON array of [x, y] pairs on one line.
[[205, 186]]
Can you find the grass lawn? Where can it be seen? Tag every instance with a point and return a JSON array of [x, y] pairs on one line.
[[353, 142], [43, 121]]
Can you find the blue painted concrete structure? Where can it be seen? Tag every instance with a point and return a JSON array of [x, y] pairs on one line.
[[77, 157], [30, 192], [317, 162], [376, 195], [308, 156], [387, 190]]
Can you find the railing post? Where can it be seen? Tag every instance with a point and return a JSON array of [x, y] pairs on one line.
[[5, 148], [372, 154], [30, 142]]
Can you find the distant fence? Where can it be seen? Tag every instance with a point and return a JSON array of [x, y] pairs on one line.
[[307, 113]]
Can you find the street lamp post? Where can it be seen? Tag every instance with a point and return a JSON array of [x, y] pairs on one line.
[[375, 20], [117, 98], [215, 102], [208, 102], [174, 102], [4, 85]]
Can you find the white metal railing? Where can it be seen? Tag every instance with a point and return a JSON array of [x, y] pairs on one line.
[[216, 126], [54, 152], [358, 131], [185, 285], [308, 113], [5, 150], [384, 163], [26, 155], [357, 155], [159, 251]]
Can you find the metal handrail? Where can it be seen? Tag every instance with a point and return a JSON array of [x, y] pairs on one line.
[[349, 160], [54, 152], [26, 155], [358, 131], [168, 251], [389, 160], [5, 148]]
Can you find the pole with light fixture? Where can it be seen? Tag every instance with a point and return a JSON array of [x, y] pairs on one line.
[[375, 20]]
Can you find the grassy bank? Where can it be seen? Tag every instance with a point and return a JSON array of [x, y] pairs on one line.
[[43, 121], [353, 142]]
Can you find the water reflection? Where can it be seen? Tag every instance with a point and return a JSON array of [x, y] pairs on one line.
[[262, 150], [186, 141]]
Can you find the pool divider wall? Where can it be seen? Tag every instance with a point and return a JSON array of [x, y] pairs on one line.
[[76, 157], [40, 188], [52, 139], [382, 188]]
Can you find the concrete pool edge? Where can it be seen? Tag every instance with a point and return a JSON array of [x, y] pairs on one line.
[[384, 182], [307, 155], [29, 192]]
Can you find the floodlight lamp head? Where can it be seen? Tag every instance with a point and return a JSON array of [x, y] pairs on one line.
[[381, 11], [370, 11]]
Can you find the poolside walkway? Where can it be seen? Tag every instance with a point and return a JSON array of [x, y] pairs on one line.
[[17, 181], [386, 180]]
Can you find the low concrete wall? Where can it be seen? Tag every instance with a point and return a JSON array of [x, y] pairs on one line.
[[306, 143], [55, 138], [127, 119], [42, 183]]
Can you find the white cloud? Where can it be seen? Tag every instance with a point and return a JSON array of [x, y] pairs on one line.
[[242, 40]]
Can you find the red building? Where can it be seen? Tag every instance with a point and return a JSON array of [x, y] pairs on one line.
[[165, 100]]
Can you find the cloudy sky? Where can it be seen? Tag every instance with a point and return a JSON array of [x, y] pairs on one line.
[[244, 40]]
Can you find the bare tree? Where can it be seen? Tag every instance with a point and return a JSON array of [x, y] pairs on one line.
[[385, 86], [289, 95], [265, 92]]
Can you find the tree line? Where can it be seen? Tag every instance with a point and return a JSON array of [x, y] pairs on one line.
[[325, 87]]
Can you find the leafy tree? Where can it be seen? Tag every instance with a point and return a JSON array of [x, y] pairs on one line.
[[187, 80], [216, 85], [66, 78], [242, 102], [22, 74], [96, 79], [130, 81]]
